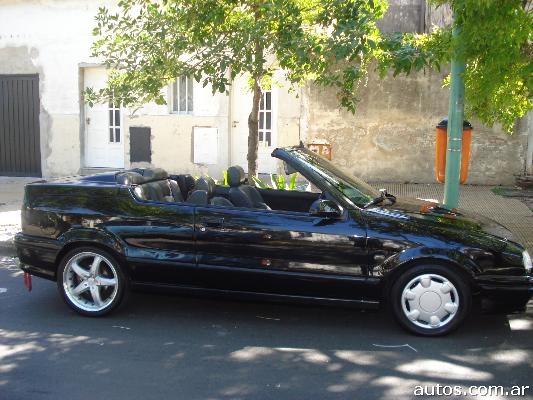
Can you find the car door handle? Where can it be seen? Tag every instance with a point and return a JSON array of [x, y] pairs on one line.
[[211, 223], [214, 222]]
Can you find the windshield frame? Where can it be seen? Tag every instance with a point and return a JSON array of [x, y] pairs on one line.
[[326, 175]]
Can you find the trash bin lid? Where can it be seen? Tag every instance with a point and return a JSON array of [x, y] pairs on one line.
[[444, 124]]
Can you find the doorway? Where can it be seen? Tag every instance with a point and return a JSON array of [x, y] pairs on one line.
[[104, 132]]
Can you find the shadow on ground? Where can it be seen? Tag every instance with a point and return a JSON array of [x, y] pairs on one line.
[[177, 347]]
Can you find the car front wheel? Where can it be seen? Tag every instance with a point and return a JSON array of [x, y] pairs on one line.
[[430, 300], [91, 281]]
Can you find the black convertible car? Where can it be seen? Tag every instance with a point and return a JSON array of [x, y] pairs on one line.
[[340, 243]]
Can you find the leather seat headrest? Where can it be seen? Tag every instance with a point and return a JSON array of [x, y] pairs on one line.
[[236, 176], [129, 178], [207, 184], [155, 174], [188, 182]]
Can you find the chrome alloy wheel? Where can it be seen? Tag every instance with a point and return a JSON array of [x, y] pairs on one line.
[[430, 301], [90, 281]]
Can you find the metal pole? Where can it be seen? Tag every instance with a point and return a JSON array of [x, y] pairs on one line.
[[455, 123]]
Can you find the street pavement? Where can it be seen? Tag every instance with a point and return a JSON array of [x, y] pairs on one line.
[[175, 347]]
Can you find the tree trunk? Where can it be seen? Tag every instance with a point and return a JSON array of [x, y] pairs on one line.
[[253, 118], [253, 132]]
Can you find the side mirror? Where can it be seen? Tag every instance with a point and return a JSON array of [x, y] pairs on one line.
[[325, 209], [289, 170]]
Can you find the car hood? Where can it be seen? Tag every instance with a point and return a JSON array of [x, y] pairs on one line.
[[428, 214]]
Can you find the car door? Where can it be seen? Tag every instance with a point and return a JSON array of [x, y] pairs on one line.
[[278, 252], [161, 250]]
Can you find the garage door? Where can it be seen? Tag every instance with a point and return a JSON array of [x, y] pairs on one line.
[[20, 153]]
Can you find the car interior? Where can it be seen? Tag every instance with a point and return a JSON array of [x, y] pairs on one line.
[[156, 185]]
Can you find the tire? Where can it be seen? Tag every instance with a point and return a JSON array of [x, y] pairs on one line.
[[92, 289], [430, 300]]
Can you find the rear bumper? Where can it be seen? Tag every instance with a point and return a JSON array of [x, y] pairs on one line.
[[37, 255]]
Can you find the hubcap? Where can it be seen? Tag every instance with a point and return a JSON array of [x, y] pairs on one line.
[[430, 301], [90, 281]]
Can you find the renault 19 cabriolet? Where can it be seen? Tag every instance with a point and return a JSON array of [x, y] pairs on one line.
[[342, 242]]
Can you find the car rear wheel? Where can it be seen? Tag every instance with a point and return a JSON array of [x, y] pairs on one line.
[[430, 300], [91, 281]]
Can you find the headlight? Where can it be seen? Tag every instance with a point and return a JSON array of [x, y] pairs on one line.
[[527, 261]]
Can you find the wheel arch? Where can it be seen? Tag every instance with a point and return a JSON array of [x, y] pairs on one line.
[[99, 240], [392, 274]]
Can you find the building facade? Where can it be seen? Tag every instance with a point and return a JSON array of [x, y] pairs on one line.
[[47, 130]]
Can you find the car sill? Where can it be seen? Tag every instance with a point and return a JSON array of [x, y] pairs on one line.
[[367, 304]]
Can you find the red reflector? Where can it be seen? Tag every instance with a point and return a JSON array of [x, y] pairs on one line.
[[27, 281]]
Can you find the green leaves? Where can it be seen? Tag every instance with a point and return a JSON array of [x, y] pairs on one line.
[[292, 182], [258, 182], [149, 43], [278, 181], [496, 44], [329, 42], [225, 177]]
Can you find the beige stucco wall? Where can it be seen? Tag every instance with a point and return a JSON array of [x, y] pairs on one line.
[[172, 142], [391, 137], [289, 116], [172, 134], [54, 42], [50, 39]]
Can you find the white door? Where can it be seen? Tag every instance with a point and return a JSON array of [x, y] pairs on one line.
[[240, 110], [104, 135]]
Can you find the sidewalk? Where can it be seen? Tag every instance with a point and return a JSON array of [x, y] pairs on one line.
[[11, 194], [508, 211]]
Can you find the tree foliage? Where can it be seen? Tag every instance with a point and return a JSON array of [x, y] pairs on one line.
[[146, 44], [496, 42]]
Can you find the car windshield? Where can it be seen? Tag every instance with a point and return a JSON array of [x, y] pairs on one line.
[[356, 190]]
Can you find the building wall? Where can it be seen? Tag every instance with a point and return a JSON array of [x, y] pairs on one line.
[[53, 39], [289, 117], [172, 134], [50, 38], [391, 137]]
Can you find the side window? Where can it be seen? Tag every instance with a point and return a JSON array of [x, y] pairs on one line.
[[265, 119], [114, 122], [182, 95]]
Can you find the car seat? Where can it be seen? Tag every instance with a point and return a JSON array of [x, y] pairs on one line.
[[242, 195]]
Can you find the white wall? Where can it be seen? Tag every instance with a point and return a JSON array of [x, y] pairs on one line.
[[172, 134], [53, 39]]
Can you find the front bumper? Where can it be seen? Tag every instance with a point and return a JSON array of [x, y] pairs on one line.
[[505, 284], [507, 294]]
